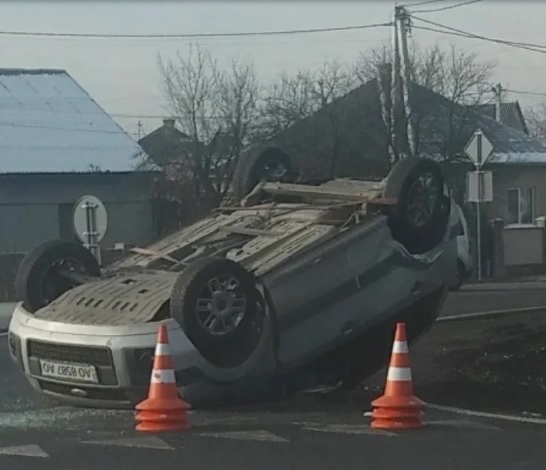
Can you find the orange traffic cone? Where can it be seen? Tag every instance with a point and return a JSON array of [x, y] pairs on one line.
[[164, 409], [398, 408]]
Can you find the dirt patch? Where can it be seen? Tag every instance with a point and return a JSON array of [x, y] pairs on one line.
[[496, 365]]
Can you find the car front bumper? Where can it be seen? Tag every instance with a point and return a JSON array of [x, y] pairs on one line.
[[121, 356]]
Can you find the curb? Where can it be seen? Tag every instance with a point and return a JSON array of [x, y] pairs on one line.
[[491, 313], [503, 286]]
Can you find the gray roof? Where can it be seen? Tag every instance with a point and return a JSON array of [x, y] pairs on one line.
[[511, 146], [358, 139], [49, 124], [510, 114], [166, 143]]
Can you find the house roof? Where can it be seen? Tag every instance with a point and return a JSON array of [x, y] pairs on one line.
[[510, 146], [363, 141], [510, 114], [50, 124], [165, 143]]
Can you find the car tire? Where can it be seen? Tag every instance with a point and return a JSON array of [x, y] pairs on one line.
[[199, 294], [458, 278], [37, 284], [418, 226], [268, 164]]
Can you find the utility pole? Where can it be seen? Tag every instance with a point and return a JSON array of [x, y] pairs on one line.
[[384, 73], [395, 84], [139, 125], [403, 24]]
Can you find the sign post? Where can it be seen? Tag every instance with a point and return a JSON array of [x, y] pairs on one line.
[[478, 150], [91, 223]]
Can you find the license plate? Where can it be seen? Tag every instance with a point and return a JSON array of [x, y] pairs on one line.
[[73, 372]]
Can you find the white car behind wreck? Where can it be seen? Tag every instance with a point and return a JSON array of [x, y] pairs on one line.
[[298, 286]]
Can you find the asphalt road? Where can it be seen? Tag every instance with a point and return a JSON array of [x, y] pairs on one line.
[[45, 436], [302, 433]]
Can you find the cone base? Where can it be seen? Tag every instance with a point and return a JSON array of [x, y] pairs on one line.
[[162, 404], [155, 421], [160, 415], [396, 424], [389, 401], [162, 427], [397, 413]]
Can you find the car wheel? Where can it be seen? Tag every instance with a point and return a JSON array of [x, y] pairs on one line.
[[421, 214], [458, 278], [39, 279], [271, 165], [216, 302]]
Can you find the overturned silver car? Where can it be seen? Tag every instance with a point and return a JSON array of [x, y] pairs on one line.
[[300, 285]]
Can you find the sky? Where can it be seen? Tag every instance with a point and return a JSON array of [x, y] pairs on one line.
[[123, 77]]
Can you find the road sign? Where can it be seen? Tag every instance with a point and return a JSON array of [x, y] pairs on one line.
[[90, 219], [480, 186], [478, 148], [90, 223]]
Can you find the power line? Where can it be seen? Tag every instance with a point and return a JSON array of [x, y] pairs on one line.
[[477, 36], [163, 116], [530, 93], [193, 35], [457, 32], [449, 7], [158, 116], [144, 116], [418, 4], [67, 129], [470, 36]]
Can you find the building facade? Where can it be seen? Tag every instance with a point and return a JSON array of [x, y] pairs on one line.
[[57, 145]]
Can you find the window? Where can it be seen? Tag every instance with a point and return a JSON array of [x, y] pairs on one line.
[[528, 207], [520, 206]]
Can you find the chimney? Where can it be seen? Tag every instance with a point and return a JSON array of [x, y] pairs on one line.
[[169, 123], [498, 102]]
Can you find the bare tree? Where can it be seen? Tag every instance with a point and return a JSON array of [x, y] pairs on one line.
[[216, 108], [535, 118], [294, 97], [285, 102], [458, 75]]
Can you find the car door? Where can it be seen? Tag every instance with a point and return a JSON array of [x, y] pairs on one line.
[[317, 302]]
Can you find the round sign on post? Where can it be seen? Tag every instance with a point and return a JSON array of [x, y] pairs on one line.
[[90, 220]]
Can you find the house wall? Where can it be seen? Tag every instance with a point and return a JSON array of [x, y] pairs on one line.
[[524, 177], [523, 246], [35, 208], [519, 250]]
